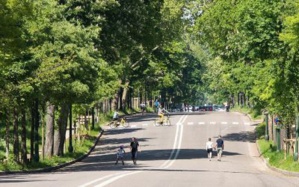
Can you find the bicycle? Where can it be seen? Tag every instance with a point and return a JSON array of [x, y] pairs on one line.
[[165, 121], [119, 122]]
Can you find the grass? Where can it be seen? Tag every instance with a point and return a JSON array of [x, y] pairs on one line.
[[269, 151], [251, 111], [80, 149], [275, 158]]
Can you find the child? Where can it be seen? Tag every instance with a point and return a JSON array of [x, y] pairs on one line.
[[209, 148], [120, 155]]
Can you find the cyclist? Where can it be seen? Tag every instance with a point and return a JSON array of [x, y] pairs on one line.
[[115, 116], [142, 106], [161, 112]]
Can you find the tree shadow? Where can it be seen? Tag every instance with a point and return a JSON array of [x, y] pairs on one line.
[[105, 160], [120, 130], [243, 136]]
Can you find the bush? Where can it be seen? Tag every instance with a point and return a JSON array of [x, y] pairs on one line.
[[260, 130]]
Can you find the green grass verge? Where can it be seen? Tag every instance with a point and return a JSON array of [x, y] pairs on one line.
[[269, 151], [255, 114], [80, 148], [275, 158]]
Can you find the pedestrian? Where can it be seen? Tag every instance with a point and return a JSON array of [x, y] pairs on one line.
[[120, 155], [134, 149], [143, 107], [220, 147], [157, 104], [209, 148]]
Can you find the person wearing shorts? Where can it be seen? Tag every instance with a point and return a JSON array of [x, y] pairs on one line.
[[209, 148]]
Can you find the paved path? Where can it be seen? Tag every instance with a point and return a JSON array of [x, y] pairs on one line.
[[170, 156]]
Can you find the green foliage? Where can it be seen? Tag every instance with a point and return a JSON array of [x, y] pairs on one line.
[[80, 149], [250, 42], [276, 159], [260, 130]]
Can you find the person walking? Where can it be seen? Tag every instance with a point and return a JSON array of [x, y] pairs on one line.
[[120, 155], [220, 147], [134, 149], [209, 148]]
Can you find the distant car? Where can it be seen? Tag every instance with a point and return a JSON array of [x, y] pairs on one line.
[[209, 108]]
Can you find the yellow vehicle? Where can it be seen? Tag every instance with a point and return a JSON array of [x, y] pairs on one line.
[[122, 122], [165, 120]]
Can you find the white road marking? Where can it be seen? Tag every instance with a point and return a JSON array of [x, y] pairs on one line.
[[224, 123], [176, 148], [190, 123], [212, 123], [133, 126], [246, 123], [173, 156], [235, 123], [145, 124], [116, 178], [100, 179], [201, 123]]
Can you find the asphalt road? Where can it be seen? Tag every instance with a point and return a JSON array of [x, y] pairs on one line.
[[173, 156]]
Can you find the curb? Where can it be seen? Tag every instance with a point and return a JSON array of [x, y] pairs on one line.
[[49, 169], [285, 172]]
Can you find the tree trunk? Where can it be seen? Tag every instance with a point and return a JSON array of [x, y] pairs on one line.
[[32, 134], [60, 134], [49, 143], [16, 136], [23, 139], [124, 95], [6, 136], [114, 102]]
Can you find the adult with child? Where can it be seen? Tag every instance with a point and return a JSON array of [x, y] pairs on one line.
[[134, 149]]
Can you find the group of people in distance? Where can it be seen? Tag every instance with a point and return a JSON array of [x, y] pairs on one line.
[[218, 146], [121, 152]]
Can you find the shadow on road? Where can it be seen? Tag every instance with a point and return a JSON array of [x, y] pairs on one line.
[[104, 158], [244, 136]]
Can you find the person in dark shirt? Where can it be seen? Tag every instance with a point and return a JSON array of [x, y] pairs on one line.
[[220, 147], [134, 149]]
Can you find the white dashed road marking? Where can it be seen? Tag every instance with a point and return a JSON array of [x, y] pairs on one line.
[[201, 123], [235, 123], [190, 123]]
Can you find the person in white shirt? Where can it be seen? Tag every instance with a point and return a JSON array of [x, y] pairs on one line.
[[209, 148], [115, 116]]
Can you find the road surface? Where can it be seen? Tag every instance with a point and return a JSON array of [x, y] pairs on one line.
[[173, 156]]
